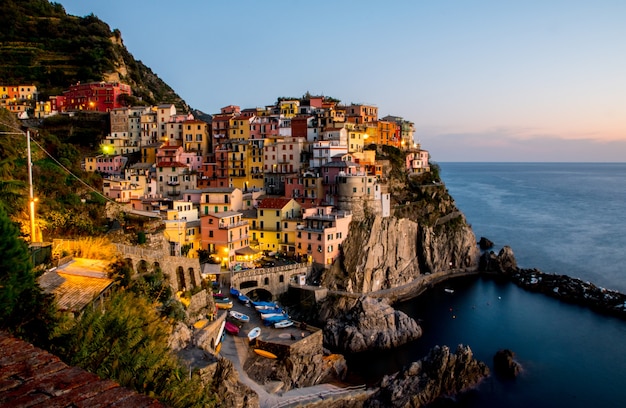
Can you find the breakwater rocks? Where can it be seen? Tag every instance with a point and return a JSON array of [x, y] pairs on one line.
[[371, 324], [563, 287], [440, 374]]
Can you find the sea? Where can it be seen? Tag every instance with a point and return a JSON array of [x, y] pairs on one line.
[[562, 218]]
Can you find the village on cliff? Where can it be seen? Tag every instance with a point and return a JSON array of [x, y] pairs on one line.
[[285, 179]]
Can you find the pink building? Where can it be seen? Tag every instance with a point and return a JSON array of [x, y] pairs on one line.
[[417, 162], [322, 233]]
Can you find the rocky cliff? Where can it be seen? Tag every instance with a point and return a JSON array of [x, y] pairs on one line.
[[371, 324], [382, 253], [439, 374]]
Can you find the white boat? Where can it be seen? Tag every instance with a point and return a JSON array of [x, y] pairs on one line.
[[254, 333], [220, 332], [448, 290], [239, 316], [283, 323], [266, 316]]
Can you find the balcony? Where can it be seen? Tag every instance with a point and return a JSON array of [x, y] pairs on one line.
[[173, 183], [232, 225]]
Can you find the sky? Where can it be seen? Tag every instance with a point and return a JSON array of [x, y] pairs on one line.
[[482, 80]]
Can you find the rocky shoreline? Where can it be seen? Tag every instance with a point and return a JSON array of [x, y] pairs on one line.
[[562, 287]]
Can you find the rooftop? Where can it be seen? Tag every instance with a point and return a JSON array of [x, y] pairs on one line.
[[33, 377]]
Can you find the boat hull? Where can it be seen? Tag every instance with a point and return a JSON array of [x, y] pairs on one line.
[[265, 353]]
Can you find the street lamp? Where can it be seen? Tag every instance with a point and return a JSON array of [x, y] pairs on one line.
[[31, 194]]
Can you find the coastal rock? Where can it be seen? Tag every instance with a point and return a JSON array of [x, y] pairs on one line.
[[503, 263], [370, 325], [224, 379], [180, 338], [504, 364], [562, 287], [297, 370], [485, 243], [439, 374]]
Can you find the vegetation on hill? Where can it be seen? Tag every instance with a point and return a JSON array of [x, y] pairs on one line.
[[42, 45], [68, 203], [128, 343]]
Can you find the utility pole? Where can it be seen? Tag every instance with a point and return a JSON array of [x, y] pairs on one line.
[[31, 193]]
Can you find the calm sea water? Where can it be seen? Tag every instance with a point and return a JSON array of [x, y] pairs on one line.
[[561, 218]]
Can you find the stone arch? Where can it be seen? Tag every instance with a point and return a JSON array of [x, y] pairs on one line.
[[248, 284], [156, 267], [180, 278], [192, 278], [142, 267], [128, 263], [260, 294]]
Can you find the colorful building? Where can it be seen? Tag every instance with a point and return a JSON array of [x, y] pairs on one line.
[[95, 96], [321, 234]]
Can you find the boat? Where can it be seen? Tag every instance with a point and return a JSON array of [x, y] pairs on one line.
[[244, 299], [200, 324], [273, 310], [223, 303], [220, 334], [265, 353], [234, 292], [239, 316], [448, 290], [218, 348], [254, 333], [219, 296], [231, 328], [283, 323], [274, 319], [265, 316], [260, 305]]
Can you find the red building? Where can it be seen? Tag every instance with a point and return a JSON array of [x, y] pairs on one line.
[[95, 96]]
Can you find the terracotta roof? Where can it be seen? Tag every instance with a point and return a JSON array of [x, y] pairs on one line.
[[277, 203], [33, 377]]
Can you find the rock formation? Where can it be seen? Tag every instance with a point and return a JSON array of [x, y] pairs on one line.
[[224, 379], [504, 364], [382, 253], [370, 325], [439, 374], [297, 370], [485, 243], [562, 287]]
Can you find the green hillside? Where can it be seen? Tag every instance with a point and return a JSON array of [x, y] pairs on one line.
[[41, 44]]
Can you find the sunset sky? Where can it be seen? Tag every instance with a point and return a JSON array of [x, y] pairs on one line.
[[481, 80]]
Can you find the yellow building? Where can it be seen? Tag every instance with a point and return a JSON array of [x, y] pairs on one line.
[[240, 127], [196, 136], [289, 108], [274, 229], [357, 136]]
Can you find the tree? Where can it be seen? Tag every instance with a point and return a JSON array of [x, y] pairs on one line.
[[24, 309]]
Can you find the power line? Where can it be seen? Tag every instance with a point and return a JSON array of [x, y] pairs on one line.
[[10, 126]]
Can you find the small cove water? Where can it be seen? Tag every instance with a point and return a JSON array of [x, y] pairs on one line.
[[561, 218]]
